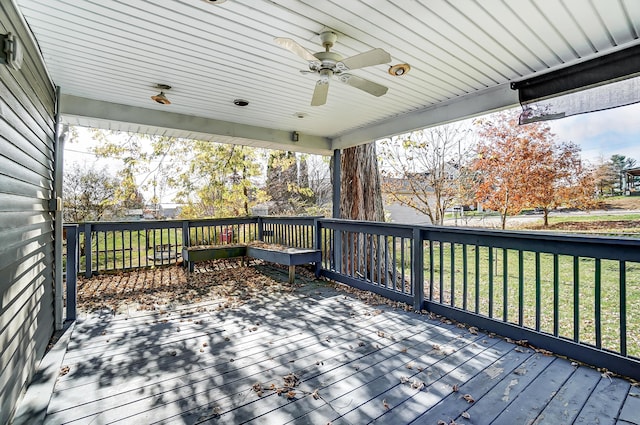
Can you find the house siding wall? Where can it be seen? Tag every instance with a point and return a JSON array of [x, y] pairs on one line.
[[27, 138]]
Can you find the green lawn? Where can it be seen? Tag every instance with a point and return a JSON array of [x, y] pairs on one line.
[[498, 284]]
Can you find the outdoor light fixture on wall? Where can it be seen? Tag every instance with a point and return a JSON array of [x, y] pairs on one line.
[[12, 54], [295, 136]]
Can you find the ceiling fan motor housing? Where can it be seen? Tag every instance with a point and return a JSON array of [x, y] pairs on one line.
[[328, 39]]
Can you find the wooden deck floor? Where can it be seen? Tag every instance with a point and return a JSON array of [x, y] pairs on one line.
[[333, 359]]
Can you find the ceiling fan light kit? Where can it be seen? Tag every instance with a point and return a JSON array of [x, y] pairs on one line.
[[328, 64]]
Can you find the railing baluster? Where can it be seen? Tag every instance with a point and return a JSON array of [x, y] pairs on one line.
[[490, 281], [520, 287], [556, 296], [465, 279], [477, 280], [431, 270], [576, 298], [441, 274], [505, 285], [113, 241], [623, 308], [598, 302], [453, 273], [538, 290], [402, 260]]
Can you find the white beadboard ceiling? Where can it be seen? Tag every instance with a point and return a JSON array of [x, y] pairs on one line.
[[107, 55]]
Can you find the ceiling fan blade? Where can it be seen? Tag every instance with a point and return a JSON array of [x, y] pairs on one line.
[[294, 47], [320, 93], [362, 60], [364, 85]]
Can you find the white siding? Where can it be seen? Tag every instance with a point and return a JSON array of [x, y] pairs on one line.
[[26, 226]]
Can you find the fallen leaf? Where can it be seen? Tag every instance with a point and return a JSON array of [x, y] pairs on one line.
[[469, 398], [441, 422], [465, 415], [291, 395], [455, 388], [386, 405], [64, 370], [417, 385], [473, 330], [315, 394]]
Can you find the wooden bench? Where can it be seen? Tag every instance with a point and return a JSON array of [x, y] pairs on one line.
[[289, 257]]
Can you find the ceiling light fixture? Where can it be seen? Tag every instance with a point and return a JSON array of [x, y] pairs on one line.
[[160, 97], [300, 115], [399, 69], [240, 102], [214, 1]]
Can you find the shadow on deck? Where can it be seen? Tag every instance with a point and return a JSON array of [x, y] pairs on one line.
[[314, 354]]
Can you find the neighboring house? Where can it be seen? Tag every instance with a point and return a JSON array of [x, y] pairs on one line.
[[133, 214], [632, 181], [169, 210], [398, 213]]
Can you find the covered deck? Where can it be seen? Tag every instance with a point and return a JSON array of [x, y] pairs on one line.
[[105, 64], [309, 353]]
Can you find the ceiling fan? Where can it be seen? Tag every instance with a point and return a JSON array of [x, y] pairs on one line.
[[328, 64]]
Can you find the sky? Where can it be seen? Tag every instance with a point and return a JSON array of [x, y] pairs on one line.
[[603, 133]]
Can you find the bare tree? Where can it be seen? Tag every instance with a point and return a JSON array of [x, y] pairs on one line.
[[425, 170]]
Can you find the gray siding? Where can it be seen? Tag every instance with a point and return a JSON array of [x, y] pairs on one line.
[[27, 102]]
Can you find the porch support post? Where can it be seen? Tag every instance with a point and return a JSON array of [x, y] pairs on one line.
[[417, 269], [73, 237], [87, 251], [337, 235], [336, 183], [55, 206]]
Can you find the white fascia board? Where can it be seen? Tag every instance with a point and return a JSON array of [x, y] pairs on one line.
[[79, 110], [463, 107]]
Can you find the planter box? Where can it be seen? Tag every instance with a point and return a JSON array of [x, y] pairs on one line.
[[194, 254]]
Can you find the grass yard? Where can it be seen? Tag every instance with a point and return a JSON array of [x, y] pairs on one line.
[[522, 288]]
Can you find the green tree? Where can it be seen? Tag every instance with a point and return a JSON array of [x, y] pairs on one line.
[[287, 184], [619, 163], [88, 193]]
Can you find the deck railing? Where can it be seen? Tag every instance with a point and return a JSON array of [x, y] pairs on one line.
[[574, 295], [111, 246]]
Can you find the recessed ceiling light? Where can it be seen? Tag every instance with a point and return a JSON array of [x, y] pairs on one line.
[[240, 102], [300, 115], [399, 69], [214, 1]]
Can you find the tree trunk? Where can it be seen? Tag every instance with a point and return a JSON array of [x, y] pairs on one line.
[[361, 195], [361, 199]]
